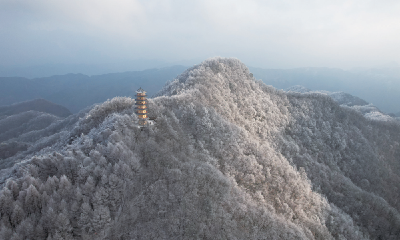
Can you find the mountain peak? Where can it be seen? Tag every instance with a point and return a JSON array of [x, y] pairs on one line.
[[207, 72]]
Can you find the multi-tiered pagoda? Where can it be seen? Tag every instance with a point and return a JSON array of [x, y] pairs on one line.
[[141, 108]]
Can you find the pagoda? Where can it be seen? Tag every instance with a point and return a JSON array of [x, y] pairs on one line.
[[141, 108]]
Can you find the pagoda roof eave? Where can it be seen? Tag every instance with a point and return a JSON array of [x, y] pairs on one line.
[[140, 90]]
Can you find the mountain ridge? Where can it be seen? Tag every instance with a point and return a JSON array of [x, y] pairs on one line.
[[380, 89], [347, 100], [40, 105], [229, 158]]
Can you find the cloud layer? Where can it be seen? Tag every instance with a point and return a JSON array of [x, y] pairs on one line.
[[267, 34]]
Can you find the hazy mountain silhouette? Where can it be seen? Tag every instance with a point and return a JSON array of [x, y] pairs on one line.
[[39, 105], [339, 97], [228, 158], [348, 100], [77, 91], [46, 70], [378, 86]]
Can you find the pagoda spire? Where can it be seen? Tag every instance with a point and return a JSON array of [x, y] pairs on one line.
[[141, 107]]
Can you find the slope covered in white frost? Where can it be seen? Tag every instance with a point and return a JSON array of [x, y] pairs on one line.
[[346, 100], [229, 158]]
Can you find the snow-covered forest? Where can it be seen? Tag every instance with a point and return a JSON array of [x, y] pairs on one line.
[[228, 158]]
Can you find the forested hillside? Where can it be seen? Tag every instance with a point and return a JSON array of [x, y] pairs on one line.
[[23, 124], [228, 158]]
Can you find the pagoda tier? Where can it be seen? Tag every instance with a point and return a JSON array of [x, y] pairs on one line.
[[141, 97], [140, 102], [141, 111]]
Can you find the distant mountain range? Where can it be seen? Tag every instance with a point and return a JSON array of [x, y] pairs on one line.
[[77, 91], [339, 97], [348, 100], [378, 86], [46, 70], [39, 105]]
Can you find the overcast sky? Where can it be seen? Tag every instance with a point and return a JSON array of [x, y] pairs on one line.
[[268, 34]]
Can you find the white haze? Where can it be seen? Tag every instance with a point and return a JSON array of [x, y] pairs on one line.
[[269, 34]]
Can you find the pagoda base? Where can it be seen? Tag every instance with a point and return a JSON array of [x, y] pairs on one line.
[[143, 122]]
